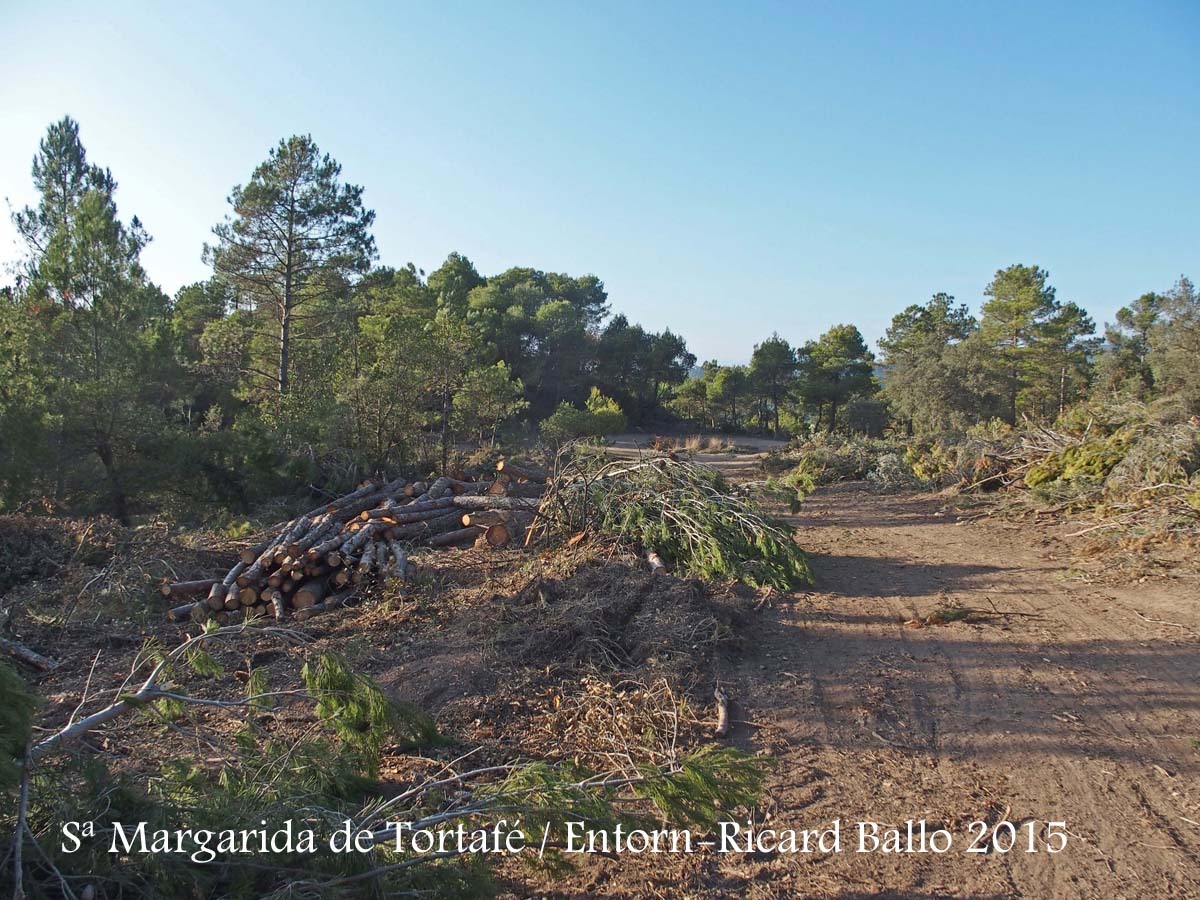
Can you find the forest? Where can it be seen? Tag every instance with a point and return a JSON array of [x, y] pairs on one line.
[[305, 360], [565, 572]]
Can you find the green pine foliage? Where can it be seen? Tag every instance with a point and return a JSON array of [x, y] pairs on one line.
[[359, 712], [685, 512], [707, 785], [16, 720]]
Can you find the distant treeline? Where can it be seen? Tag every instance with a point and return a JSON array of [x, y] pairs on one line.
[[1027, 356], [301, 361]]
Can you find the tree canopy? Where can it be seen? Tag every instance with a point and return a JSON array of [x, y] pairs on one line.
[[300, 361]]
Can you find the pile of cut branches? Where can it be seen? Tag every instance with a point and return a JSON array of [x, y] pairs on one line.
[[316, 561], [682, 513], [1134, 467]]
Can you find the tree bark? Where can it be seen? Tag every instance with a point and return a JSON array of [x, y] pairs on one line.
[[186, 588], [459, 536], [470, 501], [528, 472], [27, 656], [309, 594]]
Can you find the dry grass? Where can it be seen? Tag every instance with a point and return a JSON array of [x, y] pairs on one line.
[[695, 443]]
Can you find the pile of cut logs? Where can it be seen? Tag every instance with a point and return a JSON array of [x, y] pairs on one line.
[[317, 561]]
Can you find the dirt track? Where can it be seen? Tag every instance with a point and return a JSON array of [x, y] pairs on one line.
[[1080, 710]]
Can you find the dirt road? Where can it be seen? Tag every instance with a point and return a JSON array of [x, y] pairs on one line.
[[1057, 701]]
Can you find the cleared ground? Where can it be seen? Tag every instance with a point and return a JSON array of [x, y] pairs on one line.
[[1055, 700]]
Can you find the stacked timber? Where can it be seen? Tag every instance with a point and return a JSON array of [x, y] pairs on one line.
[[318, 560]]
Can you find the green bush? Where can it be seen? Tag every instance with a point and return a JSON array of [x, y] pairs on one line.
[[601, 416]]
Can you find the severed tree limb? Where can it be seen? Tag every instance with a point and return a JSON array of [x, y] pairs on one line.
[[657, 566], [29, 657], [180, 589], [458, 536], [471, 501], [528, 472], [150, 690], [722, 711]]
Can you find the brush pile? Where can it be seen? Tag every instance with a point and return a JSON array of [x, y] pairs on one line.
[[318, 560], [1135, 467], [675, 513]]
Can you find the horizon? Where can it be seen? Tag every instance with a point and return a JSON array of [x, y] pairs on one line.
[[726, 175]]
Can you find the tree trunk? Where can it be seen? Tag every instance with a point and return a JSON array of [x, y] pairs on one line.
[[459, 536], [473, 501], [528, 472], [186, 588], [285, 329], [119, 501], [445, 427]]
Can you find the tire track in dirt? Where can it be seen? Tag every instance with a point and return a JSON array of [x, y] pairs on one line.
[[1073, 710]]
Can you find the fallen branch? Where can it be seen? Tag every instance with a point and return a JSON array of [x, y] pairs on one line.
[[29, 657], [722, 711], [149, 691], [1163, 622]]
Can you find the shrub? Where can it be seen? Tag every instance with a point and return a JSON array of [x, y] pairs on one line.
[[601, 416], [607, 416]]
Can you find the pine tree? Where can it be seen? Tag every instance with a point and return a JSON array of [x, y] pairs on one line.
[[99, 321], [296, 239]]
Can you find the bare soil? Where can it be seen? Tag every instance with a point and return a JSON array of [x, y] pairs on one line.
[[1050, 695], [1058, 700]]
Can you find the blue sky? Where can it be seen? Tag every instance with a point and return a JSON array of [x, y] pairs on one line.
[[727, 169]]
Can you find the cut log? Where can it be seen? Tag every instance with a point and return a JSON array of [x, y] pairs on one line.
[[443, 487], [515, 519], [398, 565], [370, 487], [419, 531], [309, 594], [219, 592], [247, 596], [321, 530], [249, 554], [416, 512], [528, 471], [460, 536], [497, 535], [328, 605], [498, 488], [382, 511], [326, 547], [468, 501], [352, 546], [368, 558], [370, 501], [468, 487], [187, 611], [23, 654], [526, 489], [722, 711], [181, 589]]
